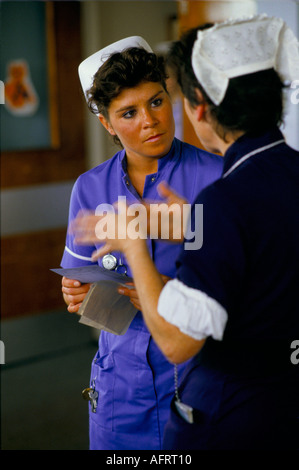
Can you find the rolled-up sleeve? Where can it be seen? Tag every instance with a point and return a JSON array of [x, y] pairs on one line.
[[192, 311]]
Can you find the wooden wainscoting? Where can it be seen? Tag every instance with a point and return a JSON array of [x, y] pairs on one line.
[[27, 284]]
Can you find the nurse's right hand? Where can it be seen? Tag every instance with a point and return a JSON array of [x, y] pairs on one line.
[[73, 293]]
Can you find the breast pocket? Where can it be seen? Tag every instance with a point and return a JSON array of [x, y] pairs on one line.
[[102, 373]]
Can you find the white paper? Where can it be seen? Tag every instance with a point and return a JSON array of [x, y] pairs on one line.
[[103, 307]]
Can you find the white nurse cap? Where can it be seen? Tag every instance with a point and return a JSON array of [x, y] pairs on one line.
[[239, 47], [90, 66]]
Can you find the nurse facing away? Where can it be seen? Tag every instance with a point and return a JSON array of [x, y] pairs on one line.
[[232, 309], [125, 86]]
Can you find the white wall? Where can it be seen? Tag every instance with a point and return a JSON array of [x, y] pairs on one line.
[[289, 11], [34, 208]]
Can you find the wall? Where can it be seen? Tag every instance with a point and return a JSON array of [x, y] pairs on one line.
[[289, 11], [36, 184]]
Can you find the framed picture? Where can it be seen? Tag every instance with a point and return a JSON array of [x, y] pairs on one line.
[[29, 118]]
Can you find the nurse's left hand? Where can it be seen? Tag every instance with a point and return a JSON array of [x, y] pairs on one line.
[[74, 293], [131, 292]]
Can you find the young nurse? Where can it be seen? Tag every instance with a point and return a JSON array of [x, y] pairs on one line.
[[125, 85], [233, 307]]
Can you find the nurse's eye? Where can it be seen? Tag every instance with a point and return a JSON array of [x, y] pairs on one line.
[[157, 102], [129, 114]]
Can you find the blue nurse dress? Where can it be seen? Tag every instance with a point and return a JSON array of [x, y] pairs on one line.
[[244, 388], [134, 381]]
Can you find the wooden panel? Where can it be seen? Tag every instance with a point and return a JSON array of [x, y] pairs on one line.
[[27, 284], [67, 161]]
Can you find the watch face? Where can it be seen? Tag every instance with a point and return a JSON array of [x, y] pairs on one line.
[[109, 262]]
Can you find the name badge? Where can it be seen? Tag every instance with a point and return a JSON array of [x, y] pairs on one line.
[[185, 411]]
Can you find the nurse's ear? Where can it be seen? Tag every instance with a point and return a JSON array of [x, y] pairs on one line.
[[201, 108], [196, 112], [106, 124], [200, 112]]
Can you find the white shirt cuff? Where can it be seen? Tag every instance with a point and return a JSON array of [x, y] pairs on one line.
[[192, 311]]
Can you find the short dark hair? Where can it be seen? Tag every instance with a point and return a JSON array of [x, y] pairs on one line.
[[122, 70], [252, 103], [125, 69]]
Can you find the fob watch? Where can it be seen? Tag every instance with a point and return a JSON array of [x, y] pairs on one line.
[[109, 262]]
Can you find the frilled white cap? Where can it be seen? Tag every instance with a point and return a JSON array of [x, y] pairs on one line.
[[239, 47], [91, 65]]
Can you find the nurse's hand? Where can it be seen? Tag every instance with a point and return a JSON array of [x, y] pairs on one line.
[[132, 293], [174, 213], [158, 220], [170, 196], [73, 293], [119, 230], [83, 228]]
